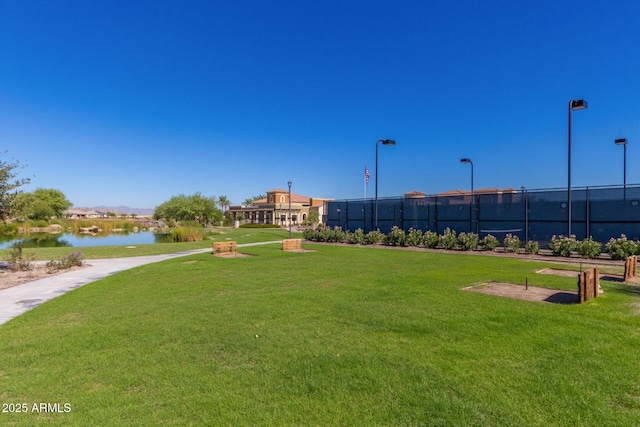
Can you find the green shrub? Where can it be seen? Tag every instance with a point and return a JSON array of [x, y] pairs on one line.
[[337, 235], [414, 237], [489, 243], [373, 237], [468, 241], [348, 236], [563, 246], [448, 239], [308, 234], [430, 239], [532, 247], [255, 225], [184, 234], [511, 243], [621, 248], [17, 260], [355, 238], [396, 237], [9, 228], [589, 248], [66, 262], [323, 234]]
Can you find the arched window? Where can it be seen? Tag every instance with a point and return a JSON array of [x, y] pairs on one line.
[[282, 199]]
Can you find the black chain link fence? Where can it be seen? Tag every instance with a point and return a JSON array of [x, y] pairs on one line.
[[599, 212]]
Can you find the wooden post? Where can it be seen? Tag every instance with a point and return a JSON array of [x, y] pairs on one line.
[[589, 284], [631, 268]]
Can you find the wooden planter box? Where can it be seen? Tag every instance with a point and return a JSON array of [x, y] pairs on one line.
[[292, 245], [225, 248]]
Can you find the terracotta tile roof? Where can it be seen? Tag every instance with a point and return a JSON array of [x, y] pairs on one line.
[[414, 193]]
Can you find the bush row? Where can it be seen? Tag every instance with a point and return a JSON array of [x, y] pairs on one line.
[[619, 248], [398, 237]]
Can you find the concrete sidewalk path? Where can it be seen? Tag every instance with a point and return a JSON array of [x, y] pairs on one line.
[[18, 299]]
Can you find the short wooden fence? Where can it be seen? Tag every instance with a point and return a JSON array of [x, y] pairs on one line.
[[225, 248], [631, 268]]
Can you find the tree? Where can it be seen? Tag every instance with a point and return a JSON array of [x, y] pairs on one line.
[[224, 202], [9, 185], [189, 208], [313, 217], [250, 200], [42, 204]]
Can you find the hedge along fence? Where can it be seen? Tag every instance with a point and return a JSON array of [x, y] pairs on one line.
[[560, 245]]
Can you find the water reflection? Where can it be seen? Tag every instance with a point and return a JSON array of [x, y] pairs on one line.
[[46, 240], [41, 240]]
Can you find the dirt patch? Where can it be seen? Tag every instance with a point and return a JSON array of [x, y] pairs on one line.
[[531, 293], [231, 255], [9, 278]]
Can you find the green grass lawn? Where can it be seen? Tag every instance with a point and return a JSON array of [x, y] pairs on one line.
[[339, 336], [240, 235]]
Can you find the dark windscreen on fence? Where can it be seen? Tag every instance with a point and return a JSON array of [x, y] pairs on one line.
[[537, 215]]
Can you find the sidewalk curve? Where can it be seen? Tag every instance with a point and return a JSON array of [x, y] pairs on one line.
[[18, 299]]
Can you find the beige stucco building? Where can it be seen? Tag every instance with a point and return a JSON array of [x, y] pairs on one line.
[[274, 209]]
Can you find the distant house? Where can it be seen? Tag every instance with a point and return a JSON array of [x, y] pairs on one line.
[[415, 194], [274, 209], [79, 213]]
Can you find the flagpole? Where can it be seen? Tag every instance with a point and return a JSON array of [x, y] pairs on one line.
[[365, 186], [365, 181]]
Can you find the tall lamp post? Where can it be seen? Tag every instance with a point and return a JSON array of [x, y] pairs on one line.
[[465, 160], [574, 105], [384, 142], [623, 142], [289, 183]]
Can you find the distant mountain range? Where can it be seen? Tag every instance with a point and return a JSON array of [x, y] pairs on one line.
[[121, 210]]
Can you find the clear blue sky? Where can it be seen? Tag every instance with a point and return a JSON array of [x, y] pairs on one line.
[[132, 102]]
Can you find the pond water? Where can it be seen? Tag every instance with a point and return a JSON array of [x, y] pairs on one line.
[[46, 240]]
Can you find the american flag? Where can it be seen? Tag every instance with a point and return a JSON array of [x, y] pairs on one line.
[[366, 175]]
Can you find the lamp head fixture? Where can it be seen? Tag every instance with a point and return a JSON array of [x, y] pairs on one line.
[[578, 104], [465, 160], [387, 141], [621, 141]]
